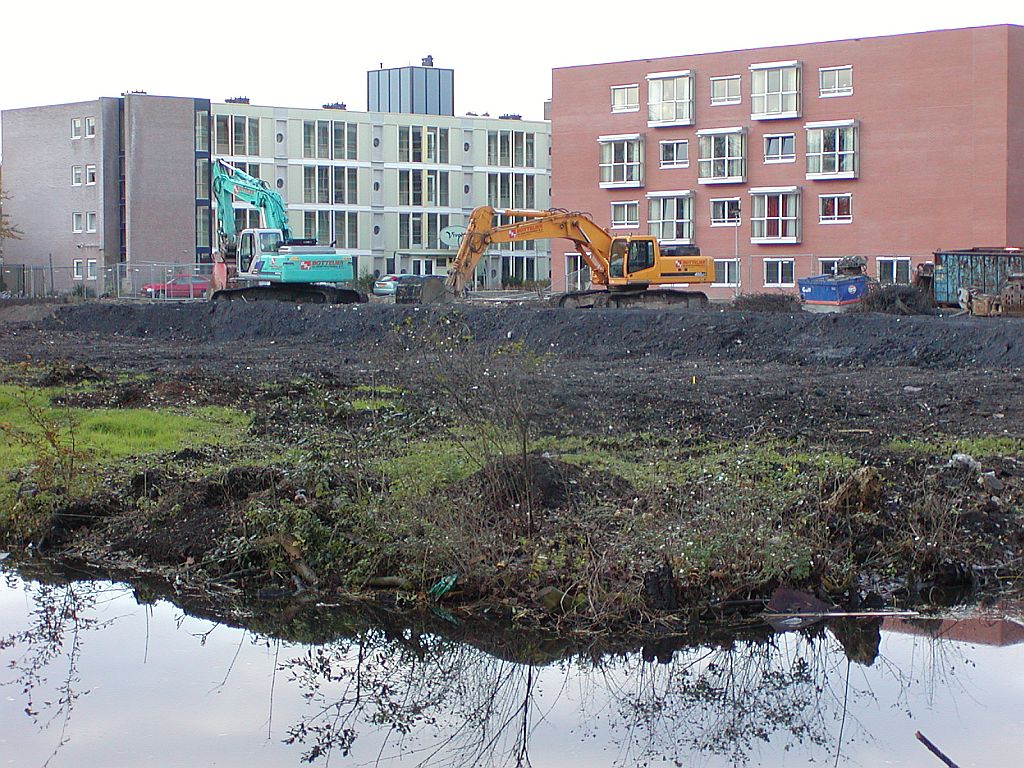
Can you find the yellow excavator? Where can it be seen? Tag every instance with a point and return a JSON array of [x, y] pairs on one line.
[[628, 271]]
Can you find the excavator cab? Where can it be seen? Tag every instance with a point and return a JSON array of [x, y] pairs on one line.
[[629, 257]]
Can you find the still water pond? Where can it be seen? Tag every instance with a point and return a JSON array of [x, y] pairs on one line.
[[89, 676]]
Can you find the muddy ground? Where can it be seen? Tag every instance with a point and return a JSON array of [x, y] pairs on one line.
[[851, 384]]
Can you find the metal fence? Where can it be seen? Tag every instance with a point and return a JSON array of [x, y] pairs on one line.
[[172, 282]]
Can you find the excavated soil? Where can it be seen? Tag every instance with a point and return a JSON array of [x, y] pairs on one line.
[[723, 373], [850, 383]]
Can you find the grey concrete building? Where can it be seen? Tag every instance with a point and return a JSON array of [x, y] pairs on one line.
[[105, 187]]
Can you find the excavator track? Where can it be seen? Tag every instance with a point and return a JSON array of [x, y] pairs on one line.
[[656, 299], [305, 294]]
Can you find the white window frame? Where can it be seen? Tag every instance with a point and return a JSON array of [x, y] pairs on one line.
[[726, 222], [626, 106], [676, 162], [90, 175], [895, 261], [611, 165], [781, 158], [77, 222], [764, 239], [682, 109], [721, 101], [76, 128], [90, 127], [832, 91], [78, 269], [829, 126], [90, 221], [734, 263], [783, 93], [828, 266], [76, 176], [687, 220], [624, 208], [708, 163], [778, 261], [835, 218], [90, 269]]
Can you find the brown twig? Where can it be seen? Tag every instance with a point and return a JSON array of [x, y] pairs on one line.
[[934, 750]]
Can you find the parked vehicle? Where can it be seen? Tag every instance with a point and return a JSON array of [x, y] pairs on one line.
[[387, 285], [178, 287]]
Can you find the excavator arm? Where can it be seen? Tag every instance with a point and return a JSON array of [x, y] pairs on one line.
[[591, 241], [230, 184]]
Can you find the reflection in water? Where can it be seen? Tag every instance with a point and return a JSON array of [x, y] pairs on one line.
[[382, 696]]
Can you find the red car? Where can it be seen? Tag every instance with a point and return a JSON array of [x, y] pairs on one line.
[[178, 287]]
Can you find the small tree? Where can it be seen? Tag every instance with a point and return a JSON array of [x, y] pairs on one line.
[[7, 230]]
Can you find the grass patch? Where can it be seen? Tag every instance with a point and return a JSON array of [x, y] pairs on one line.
[[986, 445], [110, 433]]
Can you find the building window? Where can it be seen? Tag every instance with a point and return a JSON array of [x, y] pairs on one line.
[[895, 270], [346, 143], [346, 229], [76, 127], [828, 266], [90, 221], [203, 226], [832, 150], [626, 214], [76, 222], [222, 134], [675, 154], [507, 190], [835, 209], [509, 149], [778, 273], [76, 175], [727, 272], [78, 269], [421, 230], [621, 161], [725, 212], [626, 98], [775, 215], [725, 90], [345, 185], [202, 130], [437, 146], [202, 178], [780, 148], [90, 174], [835, 81], [721, 156], [775, 90], [90, 269], [671, 216], [670, 98], [90, 127]]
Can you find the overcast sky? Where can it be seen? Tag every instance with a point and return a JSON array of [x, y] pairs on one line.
[[304, 54]]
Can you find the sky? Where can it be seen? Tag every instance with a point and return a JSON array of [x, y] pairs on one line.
[[311, 53]]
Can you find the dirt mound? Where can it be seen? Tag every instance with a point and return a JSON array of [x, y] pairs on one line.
[[354, 332], [897, 300], [62, 373], [767, 302], [190, 516], [190, 390], [512, 484]]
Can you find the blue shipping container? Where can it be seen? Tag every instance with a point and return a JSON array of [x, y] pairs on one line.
[[983, 269], [835, 290]]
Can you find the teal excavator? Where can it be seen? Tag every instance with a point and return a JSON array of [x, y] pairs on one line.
[[270, 263]]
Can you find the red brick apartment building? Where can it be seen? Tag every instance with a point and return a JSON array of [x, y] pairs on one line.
[[778, 161]]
